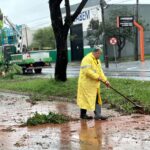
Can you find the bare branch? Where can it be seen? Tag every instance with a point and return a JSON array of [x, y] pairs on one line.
[[67, 4], [56, 16], [78, 10], [68, 21]]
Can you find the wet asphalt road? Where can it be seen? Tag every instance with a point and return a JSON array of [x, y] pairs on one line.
[[136, 70]]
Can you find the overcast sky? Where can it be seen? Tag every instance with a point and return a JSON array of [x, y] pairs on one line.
[[35, 13]]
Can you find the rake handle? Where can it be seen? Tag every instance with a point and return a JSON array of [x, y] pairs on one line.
[[120, 94]]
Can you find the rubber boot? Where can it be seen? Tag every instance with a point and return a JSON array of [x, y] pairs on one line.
[[97, 112], [83, 114]]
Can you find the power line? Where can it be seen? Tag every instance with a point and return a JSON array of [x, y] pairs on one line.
[[38, 5], [46, 17], [39, 22], [118, 2], [46, 23], [108, 1], [37, 19]]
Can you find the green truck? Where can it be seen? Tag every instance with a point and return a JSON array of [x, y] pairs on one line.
[[12, 50], [29, 61]]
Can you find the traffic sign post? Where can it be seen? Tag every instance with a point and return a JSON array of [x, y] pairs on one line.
[[113, 42], [125, 21]]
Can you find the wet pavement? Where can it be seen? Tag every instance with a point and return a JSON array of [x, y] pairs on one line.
[[118, 133], [136, 70]]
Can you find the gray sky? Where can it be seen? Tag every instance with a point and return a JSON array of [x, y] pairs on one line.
[[35, 13]]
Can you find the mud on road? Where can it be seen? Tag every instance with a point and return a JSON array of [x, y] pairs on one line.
[[118, 133]]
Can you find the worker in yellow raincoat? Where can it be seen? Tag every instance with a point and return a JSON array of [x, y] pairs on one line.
[[88, 94]]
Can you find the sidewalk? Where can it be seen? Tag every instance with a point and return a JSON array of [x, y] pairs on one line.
[[133, 70], [136, 70]]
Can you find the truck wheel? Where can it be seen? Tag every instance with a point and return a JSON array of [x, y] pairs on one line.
[[38, 71], [29, 71], [23, 70]]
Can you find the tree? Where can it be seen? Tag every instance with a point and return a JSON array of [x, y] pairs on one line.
[[61, 29], [94, 33], [111, 30], [122, 34], [43, 38]]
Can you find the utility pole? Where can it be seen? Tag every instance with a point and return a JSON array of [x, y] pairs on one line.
[[26, 36], [102, 5], [136, 31]]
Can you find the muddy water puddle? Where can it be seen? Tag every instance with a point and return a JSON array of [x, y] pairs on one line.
[[118, 133]]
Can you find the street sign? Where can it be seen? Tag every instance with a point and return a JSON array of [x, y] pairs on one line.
[[113, 41], [125, 21]]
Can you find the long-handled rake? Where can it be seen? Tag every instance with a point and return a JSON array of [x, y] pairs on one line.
[[136, 106]]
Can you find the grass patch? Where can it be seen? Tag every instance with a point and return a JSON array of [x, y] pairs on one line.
[[138, 91], [50, 118], [44, 87]]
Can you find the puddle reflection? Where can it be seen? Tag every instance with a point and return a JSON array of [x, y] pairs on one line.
[[90, 136]]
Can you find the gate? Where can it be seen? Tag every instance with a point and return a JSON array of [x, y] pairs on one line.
[[76, 38]]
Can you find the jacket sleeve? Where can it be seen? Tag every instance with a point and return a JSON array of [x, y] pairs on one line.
[[86, 67]]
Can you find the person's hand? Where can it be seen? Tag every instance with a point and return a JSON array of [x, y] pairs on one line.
[[99, 79], [107, 84]]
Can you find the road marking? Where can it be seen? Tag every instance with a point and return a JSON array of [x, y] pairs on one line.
[[131, 68]]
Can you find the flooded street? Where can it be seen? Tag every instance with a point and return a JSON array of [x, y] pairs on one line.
[[118, 133]]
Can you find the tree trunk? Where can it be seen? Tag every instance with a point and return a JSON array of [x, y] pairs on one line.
[[120, 43], [119, 52], [61, 60], [61, 31]]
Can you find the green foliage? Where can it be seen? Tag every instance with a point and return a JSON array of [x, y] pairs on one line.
[[111, 25], [2, 35], [44, 87], [95, 29], [50, 118], [10, 71], [3, 68], [43, 38], [93, 33], [137, 91]]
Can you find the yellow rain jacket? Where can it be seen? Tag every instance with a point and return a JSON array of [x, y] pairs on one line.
[[88, 84]]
